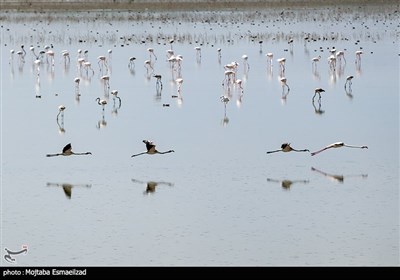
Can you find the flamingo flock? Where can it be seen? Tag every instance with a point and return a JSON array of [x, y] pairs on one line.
[[231, 82]]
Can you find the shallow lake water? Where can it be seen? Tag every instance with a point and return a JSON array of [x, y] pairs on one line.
[[219, 199]]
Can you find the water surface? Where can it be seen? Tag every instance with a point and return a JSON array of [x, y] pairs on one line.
[[219, 199]]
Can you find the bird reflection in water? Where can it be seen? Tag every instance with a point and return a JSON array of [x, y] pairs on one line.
[[151, 185], [286, 184], [159, 87], [336, 177], [349, 92], [102, 122], [347, 86], [240, 90], [61, 128], [67, 188], [317, 108]]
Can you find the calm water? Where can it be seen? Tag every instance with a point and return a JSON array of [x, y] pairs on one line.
[[219, 199]]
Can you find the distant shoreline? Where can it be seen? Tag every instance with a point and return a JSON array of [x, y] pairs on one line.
[[184, 5]]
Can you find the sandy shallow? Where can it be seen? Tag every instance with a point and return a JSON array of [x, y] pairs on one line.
[[41, 5]]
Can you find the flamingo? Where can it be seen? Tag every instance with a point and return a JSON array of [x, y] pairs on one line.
[[158, 77], [318, 90], [151, 51], [358, 56], [61, 109], [340, 55], [224, 99], [115, 94], [283, 82], [101, 102], [102, 61], [285, 147], [269, 56], [151, 149], [77, 80], [239, 83], [33, 52], [246, 64], [316, 59], [348, 81], [67, 151], [179, 81], [88, 66], [148, 65], [198, 53], [338, 145], [131, 62], [65, 55], [50, 53], [106, 81], [11, 56]]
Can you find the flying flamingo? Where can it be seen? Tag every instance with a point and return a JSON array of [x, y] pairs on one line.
[[67, 151], [337, 145], [285, 147], [151, 149]]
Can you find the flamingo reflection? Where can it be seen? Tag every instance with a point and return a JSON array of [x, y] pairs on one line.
[[318, 109], [337, 177], [286, 184], [151, 185], [67, 188]]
